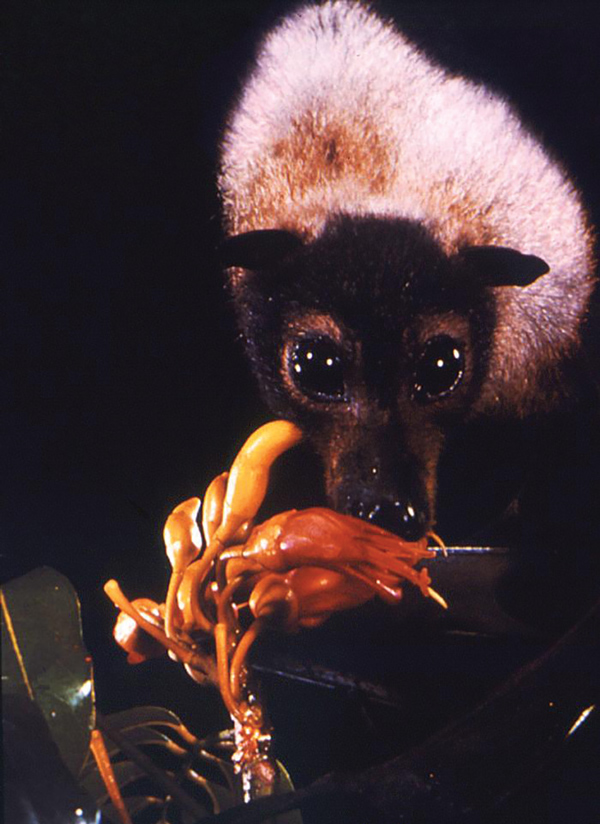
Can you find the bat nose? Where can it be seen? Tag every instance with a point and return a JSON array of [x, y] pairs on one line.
[[400, 517]]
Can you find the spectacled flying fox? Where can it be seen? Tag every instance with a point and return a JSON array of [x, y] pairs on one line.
[[406, 259]]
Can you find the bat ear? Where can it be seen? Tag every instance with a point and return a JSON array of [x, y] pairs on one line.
[[258, 250], [501, 266]]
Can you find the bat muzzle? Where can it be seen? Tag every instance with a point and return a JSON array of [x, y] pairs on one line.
[[402, 517]]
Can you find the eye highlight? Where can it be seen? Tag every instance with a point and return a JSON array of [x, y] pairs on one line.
[[440, 368], [316, 367]]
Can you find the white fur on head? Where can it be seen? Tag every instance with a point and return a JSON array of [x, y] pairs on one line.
[[343, 115]]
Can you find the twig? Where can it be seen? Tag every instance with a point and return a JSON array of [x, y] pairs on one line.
[[326, 678]]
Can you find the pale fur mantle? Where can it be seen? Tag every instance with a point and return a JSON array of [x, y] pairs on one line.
[[343, 115]]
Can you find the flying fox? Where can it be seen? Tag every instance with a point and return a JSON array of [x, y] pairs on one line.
[[407, 261]]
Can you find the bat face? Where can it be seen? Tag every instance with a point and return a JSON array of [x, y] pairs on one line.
[[377, 343]]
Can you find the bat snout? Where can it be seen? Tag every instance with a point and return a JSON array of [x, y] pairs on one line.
[[384, 475], [398, 515]]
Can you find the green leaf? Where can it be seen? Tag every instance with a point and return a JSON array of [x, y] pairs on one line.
[[283, 784], [43, 657]]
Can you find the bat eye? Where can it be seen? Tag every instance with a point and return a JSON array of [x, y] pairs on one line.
[[317, 368], [439, 369]]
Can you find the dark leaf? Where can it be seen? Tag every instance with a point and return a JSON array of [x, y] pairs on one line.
[[126, 772], [143, 736], [135, 804], [136, 724], [38, 787], [147, 716], [222, 798]]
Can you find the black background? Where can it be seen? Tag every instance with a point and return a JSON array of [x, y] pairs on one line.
[[123, 387]]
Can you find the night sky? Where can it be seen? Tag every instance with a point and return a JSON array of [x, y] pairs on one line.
[[123, 386]]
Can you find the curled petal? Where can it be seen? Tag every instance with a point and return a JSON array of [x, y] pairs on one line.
[[138, 645], [321, 592], [212, 508], [181, 533], [249, 475], [274, 598]]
